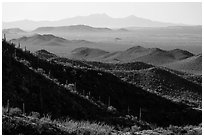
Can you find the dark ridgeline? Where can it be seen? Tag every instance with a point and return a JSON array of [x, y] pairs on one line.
[[40, 85]]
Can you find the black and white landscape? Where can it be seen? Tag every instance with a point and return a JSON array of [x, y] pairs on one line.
[[101, 75]]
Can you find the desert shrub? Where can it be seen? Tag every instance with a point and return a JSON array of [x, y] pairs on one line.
[[46, 118], [4, 110], [15, 111], [85, 127], [23, 126], [177, 130], [35, 114], [112, 109], [197, 131], [135, 128], [126, 129], [193, 130]]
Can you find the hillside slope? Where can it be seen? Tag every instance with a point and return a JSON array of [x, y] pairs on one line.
[[166, 84], [25, 84], [177, 86], [190, 65], [22, 84], [87, 53], [12, 31], [45, 54], [153, 56], [47, 40]]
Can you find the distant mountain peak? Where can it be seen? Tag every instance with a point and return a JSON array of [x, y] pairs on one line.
[[46, 37], [87, 53], [181, 54], [43, 51], [136, 48], [99, 15], [132, 16], [157, 50], [44, 54]]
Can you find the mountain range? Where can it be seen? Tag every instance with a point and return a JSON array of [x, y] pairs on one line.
[[95, 20], [175, 59], [72, 28], [48, 40], [153, 56]]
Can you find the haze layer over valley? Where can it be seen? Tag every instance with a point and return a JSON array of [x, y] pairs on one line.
[[167, 38]]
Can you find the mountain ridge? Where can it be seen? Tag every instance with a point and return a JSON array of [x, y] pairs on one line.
[[139, 53], [99, 19], [47, 40], [13, 30], [71, 28], [190, 65]]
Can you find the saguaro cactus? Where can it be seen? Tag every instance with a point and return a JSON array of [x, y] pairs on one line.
[[49, 73], [8, 106], [41, 100], [128, 110], [23, 109], [4, 37], [140, 115], [14, 55], [19, 45], [109, 103]]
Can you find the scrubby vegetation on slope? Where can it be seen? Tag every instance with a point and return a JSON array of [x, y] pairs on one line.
[[174, 85], [165, 84], [16, 123], [41, 86]]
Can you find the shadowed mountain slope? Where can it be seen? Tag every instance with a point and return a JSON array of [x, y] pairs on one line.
[[45, 54], [97, 83], [175, 85], [24, 84], [166, 84]]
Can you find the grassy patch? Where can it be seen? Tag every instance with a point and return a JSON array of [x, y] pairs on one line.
[[29, 125]]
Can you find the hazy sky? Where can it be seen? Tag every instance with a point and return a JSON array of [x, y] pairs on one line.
[[187, 13]]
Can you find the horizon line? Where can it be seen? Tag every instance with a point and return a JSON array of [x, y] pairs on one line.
[[100, 14]]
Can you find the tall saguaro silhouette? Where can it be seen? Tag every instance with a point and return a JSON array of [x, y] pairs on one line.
[[4, 38], [140, 115], [109, 101]]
